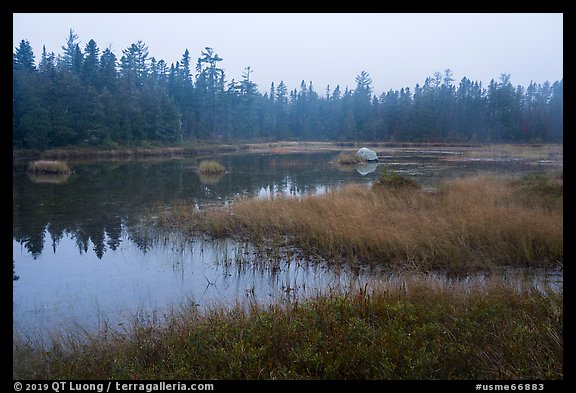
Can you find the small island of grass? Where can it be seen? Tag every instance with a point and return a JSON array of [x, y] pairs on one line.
[[348, 159], [210, 167], [49, 167]]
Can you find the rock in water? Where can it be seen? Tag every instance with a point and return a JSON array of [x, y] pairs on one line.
[[367, 154]]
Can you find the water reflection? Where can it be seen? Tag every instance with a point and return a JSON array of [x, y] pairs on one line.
[[211, 179], [83, 255], [367, 168], [66, 289], [102, 197], [288, 187], [60, 178]]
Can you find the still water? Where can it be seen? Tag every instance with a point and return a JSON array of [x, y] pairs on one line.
[[84, 255]]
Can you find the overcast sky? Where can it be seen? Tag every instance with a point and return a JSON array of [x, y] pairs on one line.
[[397, 50]]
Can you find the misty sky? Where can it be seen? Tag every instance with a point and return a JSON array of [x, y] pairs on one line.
[[397, 50]]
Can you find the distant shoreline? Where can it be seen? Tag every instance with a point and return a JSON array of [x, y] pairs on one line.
[[278, 147]]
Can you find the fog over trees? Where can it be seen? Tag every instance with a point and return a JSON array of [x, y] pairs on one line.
[[90, 97]]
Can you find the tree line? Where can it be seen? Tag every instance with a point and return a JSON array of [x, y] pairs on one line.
[[89, 97]]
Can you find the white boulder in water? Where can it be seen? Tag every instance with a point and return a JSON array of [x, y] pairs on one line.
[[367, 154]]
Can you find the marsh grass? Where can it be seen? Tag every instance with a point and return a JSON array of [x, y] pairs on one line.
[[416, 330], [524, 151], [49, 167], [541, 190], [465, 225], [211, 167], [116, 152]]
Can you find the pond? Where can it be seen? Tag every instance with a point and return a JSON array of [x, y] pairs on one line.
[[85, 257]]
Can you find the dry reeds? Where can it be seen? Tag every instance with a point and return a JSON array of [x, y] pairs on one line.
[[348, 159], [210, 167], [467, 224], [49, 167], [396, 181]]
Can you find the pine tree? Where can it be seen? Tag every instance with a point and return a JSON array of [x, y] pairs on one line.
[[282, 111], [108, 68], [90, 67], [210, 80], [362, 103], [185, 74], [69, 59], [77, 60], [47, 63], [134, 64], [23, 58]]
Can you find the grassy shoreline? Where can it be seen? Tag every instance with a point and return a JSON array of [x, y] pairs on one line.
[[281, 147], [409, 332]]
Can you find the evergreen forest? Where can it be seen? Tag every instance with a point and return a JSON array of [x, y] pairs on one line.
[[87, 96]]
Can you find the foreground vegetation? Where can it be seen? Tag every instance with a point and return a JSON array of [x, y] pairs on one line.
[[413, 331], [467, 224]]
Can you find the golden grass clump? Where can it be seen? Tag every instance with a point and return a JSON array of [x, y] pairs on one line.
[[395, 180], [210, 167], [348, 159], [49, 167]]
